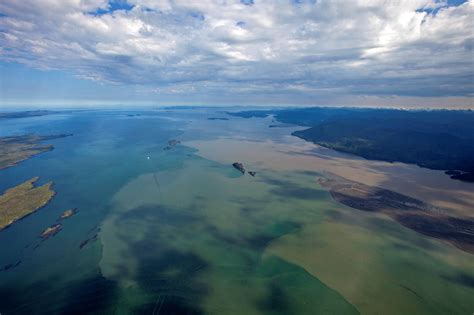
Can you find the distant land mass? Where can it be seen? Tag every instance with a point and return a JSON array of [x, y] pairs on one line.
[[24, 114], [15, 149], [217, 118], [435, 139]]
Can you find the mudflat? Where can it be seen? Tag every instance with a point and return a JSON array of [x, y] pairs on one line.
[[410, 212]]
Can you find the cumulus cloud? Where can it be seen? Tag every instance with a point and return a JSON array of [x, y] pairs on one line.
[[305, 48]]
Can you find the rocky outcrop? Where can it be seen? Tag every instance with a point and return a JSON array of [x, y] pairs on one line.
[[171, 144], [89, 240], [68, 213], [10, 266], [51, 231], [239, 166]]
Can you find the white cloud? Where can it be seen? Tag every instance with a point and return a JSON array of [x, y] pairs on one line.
[[309, 49]]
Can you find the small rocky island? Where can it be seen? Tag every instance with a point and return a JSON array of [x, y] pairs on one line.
[[239, 166], [171, 144], [51, 231], [22, 200], [57, 227], [68, 213]]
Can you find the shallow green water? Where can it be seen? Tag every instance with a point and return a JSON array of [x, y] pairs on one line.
[[180, 234]]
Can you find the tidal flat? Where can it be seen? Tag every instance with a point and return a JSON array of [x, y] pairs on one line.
[[181, 231], [411, 213]]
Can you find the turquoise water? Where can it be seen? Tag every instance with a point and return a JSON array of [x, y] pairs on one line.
[[106, 150], [170, 232]]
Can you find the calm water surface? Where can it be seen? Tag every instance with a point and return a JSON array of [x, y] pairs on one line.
[[181, 232]]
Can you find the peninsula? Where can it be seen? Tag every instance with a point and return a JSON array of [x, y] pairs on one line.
[[15, 149]]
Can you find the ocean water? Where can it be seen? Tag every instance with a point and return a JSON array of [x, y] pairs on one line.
[[181, 232]]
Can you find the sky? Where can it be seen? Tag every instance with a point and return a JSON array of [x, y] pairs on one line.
[[403, 53]]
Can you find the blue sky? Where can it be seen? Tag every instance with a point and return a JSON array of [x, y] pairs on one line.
[[356, 53]]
